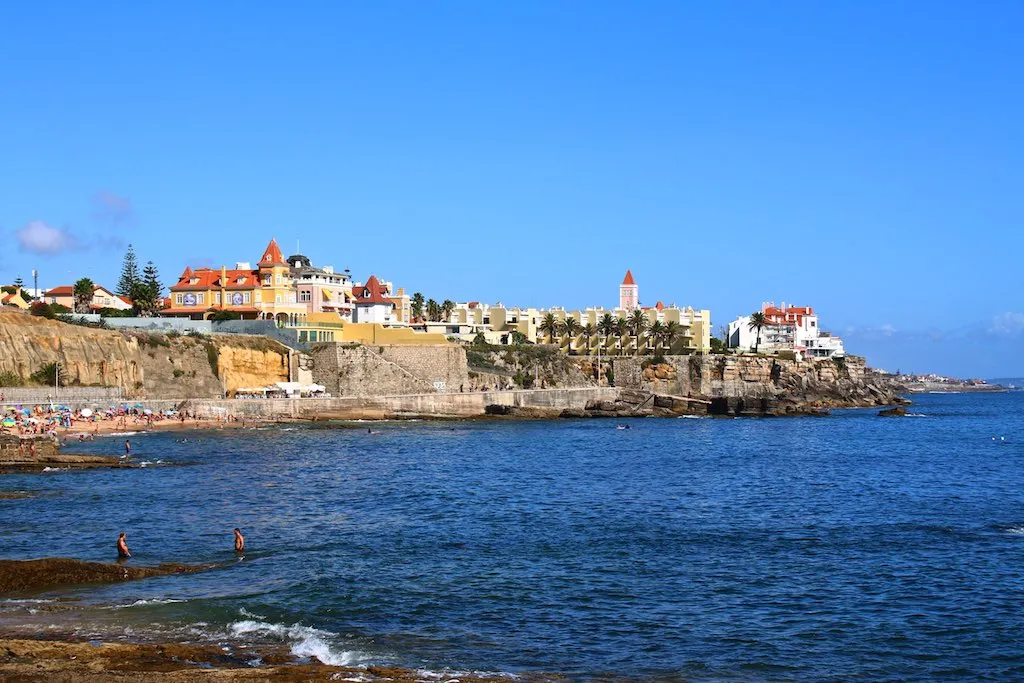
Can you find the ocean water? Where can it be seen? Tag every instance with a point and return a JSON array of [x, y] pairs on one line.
[[839, 548]]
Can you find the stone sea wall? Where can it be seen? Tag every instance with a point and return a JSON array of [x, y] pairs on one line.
[[526, 403], [374, 370]]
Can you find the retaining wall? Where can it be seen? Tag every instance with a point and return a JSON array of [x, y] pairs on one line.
[[458, 405]]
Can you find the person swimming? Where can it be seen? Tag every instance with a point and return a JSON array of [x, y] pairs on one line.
[[122, 546], [239, 541]]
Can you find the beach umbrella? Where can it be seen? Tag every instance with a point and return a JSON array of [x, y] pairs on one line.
[[26, 412], [8, 422], [86, 412], [147, 411]]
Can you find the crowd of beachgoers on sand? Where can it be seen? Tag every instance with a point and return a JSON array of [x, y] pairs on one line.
[[62, 422]]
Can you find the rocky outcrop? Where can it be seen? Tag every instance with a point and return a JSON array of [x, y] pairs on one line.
[[759, 385], [24, 575], [895, 411], [141, 364], [88, 357], [250, 362]]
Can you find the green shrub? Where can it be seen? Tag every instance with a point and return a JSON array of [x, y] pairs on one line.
[[46, 375], [212, 356], [49, 311], [524, 380], [177, 373], [10, 379]]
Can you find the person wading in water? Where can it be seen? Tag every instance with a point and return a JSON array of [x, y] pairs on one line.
[[122, 547], [239, 541]]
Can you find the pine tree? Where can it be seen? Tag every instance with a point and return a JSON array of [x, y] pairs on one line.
[[18, 282], [149, 291], [129, 274]]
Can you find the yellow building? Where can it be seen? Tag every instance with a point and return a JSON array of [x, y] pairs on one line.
[[262, 293]]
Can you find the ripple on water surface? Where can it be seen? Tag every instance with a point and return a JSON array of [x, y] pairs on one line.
[[790, 549]]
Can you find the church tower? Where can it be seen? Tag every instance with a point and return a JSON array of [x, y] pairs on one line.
[[629, 293]]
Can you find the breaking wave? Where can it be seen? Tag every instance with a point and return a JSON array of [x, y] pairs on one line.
[[305, 641]]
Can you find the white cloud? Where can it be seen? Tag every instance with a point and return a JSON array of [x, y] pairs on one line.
[[113, 208], [39, 238], [1007, 325]]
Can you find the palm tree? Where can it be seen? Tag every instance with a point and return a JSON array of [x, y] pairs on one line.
[[417, 307], [549, 326], [82, 293], [657, 334], [606, 326], [571, 326], [433, 311], [621, 329], [589, 330], [638, 323], [672, 330], [446, 308], [758, 323]]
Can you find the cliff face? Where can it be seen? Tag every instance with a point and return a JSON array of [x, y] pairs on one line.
[[141, 364], [88, 357], [246, 363], [759, 385]]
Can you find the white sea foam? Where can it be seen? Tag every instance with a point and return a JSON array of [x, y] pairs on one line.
[[1018, 530], [143, 603], [306, 641], [916, 415], [56, 469], [123, 433], [692, 417]]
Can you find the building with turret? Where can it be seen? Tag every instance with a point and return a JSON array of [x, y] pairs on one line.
[[629, 293]]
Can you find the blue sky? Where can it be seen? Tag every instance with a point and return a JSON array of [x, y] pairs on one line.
[[863, 158]]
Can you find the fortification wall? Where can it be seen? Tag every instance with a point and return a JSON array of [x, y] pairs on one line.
[[388, 370]]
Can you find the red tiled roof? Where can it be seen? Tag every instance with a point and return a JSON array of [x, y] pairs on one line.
[[65, 290], [372, 293], [210, 279], [126, 300], [629, 279], [660, 306], [272, 255]]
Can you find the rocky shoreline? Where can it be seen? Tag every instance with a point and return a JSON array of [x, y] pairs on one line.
[[28, 660]]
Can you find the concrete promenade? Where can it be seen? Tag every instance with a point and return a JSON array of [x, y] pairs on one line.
[[452, 405]]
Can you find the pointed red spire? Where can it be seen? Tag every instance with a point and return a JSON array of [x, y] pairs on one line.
[[272, 255], [629, 279], [186, 274], [372, 293]]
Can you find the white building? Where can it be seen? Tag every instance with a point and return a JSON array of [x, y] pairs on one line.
[[787, 328], [371, 305]]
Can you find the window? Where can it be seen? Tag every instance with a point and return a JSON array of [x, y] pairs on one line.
[[245, 297], [217, 297], [177, 299], [266, 280], [278, 279], [278, 299], [241, 280], [305, 296]]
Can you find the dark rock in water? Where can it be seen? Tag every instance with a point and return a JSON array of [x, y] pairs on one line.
[[495, 409], [897, 411], [29, 575]]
